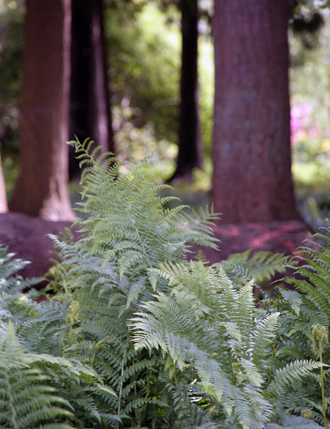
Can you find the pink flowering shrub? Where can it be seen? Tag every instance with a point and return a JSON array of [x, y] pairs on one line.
[[307, 136]]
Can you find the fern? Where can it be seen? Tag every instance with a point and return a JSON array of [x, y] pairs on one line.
[[36, 349], [25, 401], [128, 232], [261, 266], [301, 311], [292, 422], [127, 220], [216, 328], [203, 355], [10, 281]]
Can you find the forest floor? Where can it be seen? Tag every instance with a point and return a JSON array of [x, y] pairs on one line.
[[27, 238]]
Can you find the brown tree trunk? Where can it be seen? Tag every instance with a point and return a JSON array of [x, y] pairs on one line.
[[189, 134], [251, 143], [90, 113], [42, 185], [3, 195]]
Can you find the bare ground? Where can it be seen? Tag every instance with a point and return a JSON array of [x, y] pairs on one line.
[[27, 237]]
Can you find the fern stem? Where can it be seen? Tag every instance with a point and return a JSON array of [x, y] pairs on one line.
[[121, 384], [70, 334], [12, 405], [324, 408], [135, 389], [273, 355], [97, 345], [273, 349], [177, 386], [139, 236]]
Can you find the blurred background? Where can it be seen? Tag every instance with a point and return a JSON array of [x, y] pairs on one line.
[[141, 53]]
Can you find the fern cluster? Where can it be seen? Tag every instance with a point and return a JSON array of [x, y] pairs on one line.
[[39, 387], [25, 399], [128, 232], [211, 324], [102, 280], [303, 307], [138, 336]]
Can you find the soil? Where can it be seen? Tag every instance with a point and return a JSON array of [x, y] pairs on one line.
[[27, 237], [277, 237]]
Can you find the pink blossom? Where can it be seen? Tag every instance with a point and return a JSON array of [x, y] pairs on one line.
[[300, 117], [301, 111]]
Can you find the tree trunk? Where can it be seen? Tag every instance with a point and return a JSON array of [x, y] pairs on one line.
[[3, 195], [251, 142], [90, 113], [42, 185], [189, 134]]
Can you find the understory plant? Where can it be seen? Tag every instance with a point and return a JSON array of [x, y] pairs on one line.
[[30, 381], [304, 325], [136, 333], [255, 360], [102, 280], [215, 326]]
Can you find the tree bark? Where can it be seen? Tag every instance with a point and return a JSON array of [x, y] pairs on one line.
[[90, 113], [251, 142], [3, 195], [42, 185], [189, 155]]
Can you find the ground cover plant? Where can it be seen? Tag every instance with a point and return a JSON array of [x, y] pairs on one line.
[[138, 336]]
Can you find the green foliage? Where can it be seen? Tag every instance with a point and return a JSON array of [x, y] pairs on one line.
[[210, 324], [138, 336], [25, 401], [11, 42], [262, 266], [293, 422], [145, 69], [301, 314], [83, 333], [32, 370], [10, 282], [106, 275]]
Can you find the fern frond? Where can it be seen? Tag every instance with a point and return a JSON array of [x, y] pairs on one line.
[[261, 266], [182, 327], [25, 400], [10, 281], [263, 336], [283, 377]]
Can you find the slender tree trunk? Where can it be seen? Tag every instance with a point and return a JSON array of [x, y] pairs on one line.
[[3, 196], [251, 147], [90, 113], [42, 185], [189, 134]]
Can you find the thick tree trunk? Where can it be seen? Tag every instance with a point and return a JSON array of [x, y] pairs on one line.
[[3, 196], [42, 185], [189, 134], [90, 113], [251, 147]]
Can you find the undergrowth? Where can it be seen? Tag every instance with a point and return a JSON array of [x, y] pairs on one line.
[[138, 334]]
